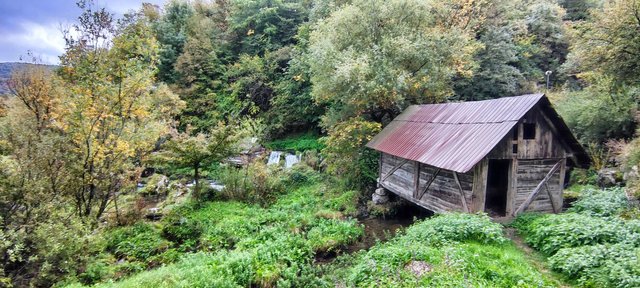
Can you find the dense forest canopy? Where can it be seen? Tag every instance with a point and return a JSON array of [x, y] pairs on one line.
[[178, 87]]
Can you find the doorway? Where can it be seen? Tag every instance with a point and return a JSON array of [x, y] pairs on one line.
[[497, 187]]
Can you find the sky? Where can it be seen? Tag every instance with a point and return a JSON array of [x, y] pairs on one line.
[[36, 25]]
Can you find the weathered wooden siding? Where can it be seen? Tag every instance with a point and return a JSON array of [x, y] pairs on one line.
[[545, 145], [529, 174], [443, 193]]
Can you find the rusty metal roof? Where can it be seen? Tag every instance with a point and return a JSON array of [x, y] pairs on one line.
[[456, 136]]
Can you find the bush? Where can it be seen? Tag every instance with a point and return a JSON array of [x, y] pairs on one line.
[[137, 242], [257, 183], [605, 265], [603, 203], [183, 231], [456, 227], [550, 233], [458, 250]]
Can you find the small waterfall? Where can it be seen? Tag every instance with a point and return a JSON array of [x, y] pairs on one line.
[[215, 185], [290, 160], [274, 158]]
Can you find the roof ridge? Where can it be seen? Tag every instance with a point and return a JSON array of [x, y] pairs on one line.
[[456, 123]]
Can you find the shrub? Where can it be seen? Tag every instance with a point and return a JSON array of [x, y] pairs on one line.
[[137, 242], [553, 232], [604, 265], [96, 271], [457, 227], [183, 231], [329, 234], [458, 250], [257, 183], [601, 203]]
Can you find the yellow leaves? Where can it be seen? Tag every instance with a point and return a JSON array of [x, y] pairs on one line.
[[298, 78], [250, 32]]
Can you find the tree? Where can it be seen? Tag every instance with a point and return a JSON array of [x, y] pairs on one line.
[[609, 43], [369, 60], [549, 46], [114, 112], [171, 33], [203, 149]]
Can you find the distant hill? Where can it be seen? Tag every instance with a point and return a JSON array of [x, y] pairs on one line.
[[5, 72]]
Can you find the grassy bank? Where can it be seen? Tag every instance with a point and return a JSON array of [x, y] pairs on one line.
[[230, 243]]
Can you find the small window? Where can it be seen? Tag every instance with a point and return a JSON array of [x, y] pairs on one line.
[[515, 133], [515, 148], [529, 131]]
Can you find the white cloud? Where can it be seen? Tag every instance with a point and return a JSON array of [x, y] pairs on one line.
[[45, 41]]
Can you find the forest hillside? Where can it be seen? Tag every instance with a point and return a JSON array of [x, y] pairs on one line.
[[222, 144]]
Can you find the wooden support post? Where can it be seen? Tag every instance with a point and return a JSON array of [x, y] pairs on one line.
[[416, 178], [535, 192], [424, 190], [553, 203], [462, 198], [394, 169]]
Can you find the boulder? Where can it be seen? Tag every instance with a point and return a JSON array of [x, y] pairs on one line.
[[609, 177], [381, 196]]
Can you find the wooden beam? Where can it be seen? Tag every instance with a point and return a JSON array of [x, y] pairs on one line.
[[535, 192], [462, 198], [394, 169], [553, 204], [557, 135], [424, 190], [416, 178]]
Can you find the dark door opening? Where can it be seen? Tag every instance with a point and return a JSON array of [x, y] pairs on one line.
[[497, 187]]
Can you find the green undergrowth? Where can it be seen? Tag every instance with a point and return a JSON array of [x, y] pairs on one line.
[[235, 244], [451, 250], [300, 142], [590, 244]]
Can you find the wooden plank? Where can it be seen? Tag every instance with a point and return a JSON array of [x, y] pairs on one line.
[[513, 186], [416, 178], [394, 169], [462, 198], [563, 173], [424, 190], [479, 185], [553, 205], [535, 192]]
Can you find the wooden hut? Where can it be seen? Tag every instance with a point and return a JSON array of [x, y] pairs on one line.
[[502, 156]]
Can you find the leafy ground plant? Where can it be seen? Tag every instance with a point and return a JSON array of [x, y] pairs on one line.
[[452, 250], [592, 245], [242, 244]]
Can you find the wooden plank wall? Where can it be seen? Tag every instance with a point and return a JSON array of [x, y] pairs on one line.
[[529, 174], [443, 193]]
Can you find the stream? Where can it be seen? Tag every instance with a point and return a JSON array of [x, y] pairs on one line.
[[377, 229]]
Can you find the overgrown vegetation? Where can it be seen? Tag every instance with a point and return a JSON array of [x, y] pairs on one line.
[[591, 243], [235, 244], [446, 251], [178, 89]]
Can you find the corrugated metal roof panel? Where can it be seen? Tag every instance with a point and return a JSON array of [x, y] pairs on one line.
[[452, 136]]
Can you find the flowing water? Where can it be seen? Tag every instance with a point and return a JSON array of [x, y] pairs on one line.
[[290, 160], [274, 158]]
